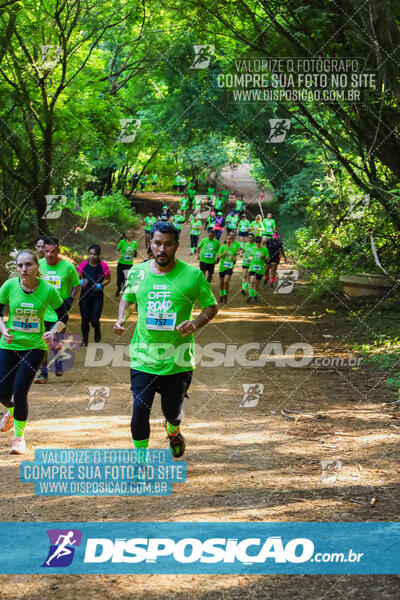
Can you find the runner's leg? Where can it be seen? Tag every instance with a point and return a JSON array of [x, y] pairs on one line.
[[85, 319], [143, 386]]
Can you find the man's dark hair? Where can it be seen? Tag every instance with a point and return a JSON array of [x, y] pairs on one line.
[[40, 237], [258, 238], [51, 241], [164, 227]]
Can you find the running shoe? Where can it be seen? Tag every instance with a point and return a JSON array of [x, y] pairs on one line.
[[176, 442], [59, 373], [243, 292], [225, 298], [97, 335], [84, 342], [18, 446], [6, 422], [42, 378], [248, 299]]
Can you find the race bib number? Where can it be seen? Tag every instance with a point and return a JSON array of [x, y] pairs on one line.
[[160, 321], [128, 257], [54, 280], [228, 265], [28, 324], [208, 255], [256, 267]]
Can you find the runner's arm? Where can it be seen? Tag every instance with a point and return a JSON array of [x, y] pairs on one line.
[[206, 315], [8, 337], [124, 311]]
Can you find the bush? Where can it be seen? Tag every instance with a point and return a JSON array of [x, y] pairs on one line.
[[115, 209]]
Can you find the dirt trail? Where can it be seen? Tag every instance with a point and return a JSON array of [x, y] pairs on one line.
[[243, 464]]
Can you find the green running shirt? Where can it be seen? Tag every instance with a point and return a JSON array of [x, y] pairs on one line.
[[27, 313], [163, 302]]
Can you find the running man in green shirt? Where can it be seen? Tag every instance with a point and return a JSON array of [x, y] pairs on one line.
[[207, 252], [165, 290], [244, 228], [24, 340], [247, 248], [178, 220], [258, 261], [63, 275], [184, 205], [148, 224], [240, 204], [227, 258], [269, 227], [195, 227], [128, 248]]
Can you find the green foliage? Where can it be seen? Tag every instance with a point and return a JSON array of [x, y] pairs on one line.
[[115, 209]]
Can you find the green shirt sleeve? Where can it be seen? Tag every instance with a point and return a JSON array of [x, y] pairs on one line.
[[205, 297], [74, 277], [4, 292], [55, 300]]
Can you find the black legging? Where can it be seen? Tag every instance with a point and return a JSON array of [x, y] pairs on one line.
[[172, 388], [91, 307], [17, 372], [120, 275]]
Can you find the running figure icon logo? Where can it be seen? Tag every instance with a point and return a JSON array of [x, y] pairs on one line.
[[50, 56], [54, 206], [286, 282], [202, 56], [129, 129], [251, 394], [62, 547], [279, 129], [98, 396], [330, 470]]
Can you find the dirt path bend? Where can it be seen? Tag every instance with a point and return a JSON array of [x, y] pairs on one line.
[[248, 459]]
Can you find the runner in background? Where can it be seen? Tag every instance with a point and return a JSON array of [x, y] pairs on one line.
[[127, 247], [207, 252], [154, 180], [246, 263], [257, 226], [225, 196], [184, 205], [231, 222], [219, 204], [227, 259], [240, 204], [195, 227], [148, 224], [269, 227], [182, 184], [258, 260], [165, 214], [196, 204], [210, 196], [178, 220], [95, 274], [244, 228], [210, 222], [191, 191], [219, 225], [39, 246], [63, 275], [143, 182], [177, 182], [24, 340], [275, 248], [182, 286]]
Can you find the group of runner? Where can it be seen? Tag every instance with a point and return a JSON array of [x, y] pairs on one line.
[[164, 289]]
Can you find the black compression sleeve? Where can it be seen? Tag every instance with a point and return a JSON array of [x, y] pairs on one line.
[[62, 312], [1, 309]]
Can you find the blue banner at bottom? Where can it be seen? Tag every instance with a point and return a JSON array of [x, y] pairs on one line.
[[200, 548]]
